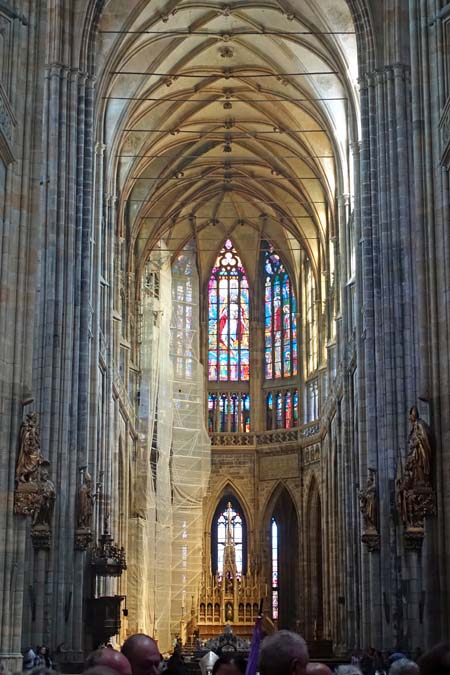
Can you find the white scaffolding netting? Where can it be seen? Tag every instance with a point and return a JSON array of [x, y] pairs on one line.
[[190, 441], [174, 459]]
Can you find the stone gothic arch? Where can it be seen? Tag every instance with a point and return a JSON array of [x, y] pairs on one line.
[[281, 506], [314, 587]]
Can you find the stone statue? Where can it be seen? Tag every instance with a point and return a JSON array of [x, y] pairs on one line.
[[368, 503], [30, 451], [415, 498], [418, 461], [43, 513], [85, 502]]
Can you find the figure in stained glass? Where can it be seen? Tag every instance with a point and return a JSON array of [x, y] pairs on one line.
[[280, 325], [228, 319]]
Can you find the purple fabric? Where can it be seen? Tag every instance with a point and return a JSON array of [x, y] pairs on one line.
[[252, 663]]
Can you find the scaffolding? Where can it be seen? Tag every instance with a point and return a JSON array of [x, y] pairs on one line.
[[173, 472]]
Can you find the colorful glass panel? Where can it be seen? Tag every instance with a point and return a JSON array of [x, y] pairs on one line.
[[269, 411], [228, 411], [228, 319], [274, 538], [288, 410], [280, 322]]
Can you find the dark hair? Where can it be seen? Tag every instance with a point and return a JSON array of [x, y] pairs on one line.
[[230, 659], [436, 661]]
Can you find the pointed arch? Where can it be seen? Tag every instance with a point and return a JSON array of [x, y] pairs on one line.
[[240, 533], [280, 322], [228, 487], [281, 508], [314, 562], [228, 319]]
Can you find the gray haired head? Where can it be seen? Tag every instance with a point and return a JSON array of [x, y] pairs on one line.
[[404, 667], [349, 669], [283, 653]]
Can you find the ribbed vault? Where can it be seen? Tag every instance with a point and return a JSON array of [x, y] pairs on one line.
[[229, 120]]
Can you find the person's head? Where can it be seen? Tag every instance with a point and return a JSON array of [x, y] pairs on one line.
[[143, 654], [318, 669], [110, 659], [28, 659], [348, 670], [283, 653], [229, 664], [436, 660], [100, 670], [404, 667]]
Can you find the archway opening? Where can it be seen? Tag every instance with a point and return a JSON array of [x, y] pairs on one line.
[[284, 568], [314, 626]]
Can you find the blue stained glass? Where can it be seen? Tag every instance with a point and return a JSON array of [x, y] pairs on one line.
[[228, 315], [279, 319]]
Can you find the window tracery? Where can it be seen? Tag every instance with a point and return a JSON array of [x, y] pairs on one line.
[[228, 506], [228, 319], [280, 325]]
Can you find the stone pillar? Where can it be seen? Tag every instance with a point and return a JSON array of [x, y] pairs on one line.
[[386, 326], [20, 177]]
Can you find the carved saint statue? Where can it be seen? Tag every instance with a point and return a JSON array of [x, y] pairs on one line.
[[29, 453], [192, 628], [368, 503], [85, 502], [43, 513], [418, 461]]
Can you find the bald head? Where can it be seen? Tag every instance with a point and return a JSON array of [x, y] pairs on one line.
[[317, 669], [283, 653], [143, 654], [109, 658]]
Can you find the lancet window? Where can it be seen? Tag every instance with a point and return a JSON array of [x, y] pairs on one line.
[[182, 326], [280, 325], [274, 546], [229, 529], [311, 320], [228, 319]]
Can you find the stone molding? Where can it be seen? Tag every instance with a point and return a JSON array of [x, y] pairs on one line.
[[7, 124], [444, 127], [267, 438]]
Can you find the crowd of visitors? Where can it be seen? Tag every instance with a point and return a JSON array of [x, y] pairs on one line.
[[282, 653]]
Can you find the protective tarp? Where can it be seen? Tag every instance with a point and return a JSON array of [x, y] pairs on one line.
[[191, 455], [173, 460]]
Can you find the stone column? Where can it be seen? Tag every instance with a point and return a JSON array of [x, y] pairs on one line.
[[20, 176]]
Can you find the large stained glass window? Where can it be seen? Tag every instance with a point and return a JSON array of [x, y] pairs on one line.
[[274, 538], [280, 319], [228, 315], [228, 411]]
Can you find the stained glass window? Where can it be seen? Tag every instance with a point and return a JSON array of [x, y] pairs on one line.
[[280, 319], [282, 409], [182, 322], [311, 338], [228, 315], [228, 411], [229, 519], [274, 541]]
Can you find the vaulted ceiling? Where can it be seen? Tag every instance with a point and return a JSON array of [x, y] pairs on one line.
[[229, 120]]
